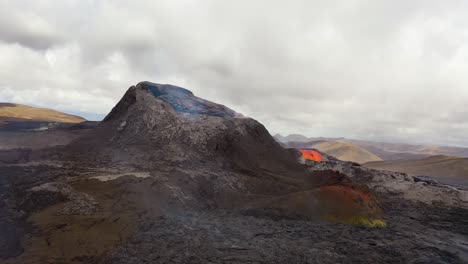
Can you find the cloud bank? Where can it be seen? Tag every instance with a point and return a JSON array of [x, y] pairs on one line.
[[379, 70]]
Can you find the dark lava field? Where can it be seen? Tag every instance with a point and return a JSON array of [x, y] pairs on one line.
[[168, 177]]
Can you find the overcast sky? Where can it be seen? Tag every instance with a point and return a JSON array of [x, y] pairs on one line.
[[380, 70]]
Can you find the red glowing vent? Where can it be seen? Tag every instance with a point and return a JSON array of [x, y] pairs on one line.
[[310, 154]]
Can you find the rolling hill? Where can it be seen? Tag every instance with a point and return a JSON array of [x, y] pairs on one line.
[[17, 112], [341, 150], [347, 152], [361, 151], [419, 151], [391, 155], [24, 126], [448, 169]]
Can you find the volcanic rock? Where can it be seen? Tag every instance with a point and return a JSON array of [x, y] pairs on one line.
[[156, 123], [164, 127], [168, 177]]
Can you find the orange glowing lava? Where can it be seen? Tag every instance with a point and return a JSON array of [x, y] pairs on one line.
[[311, 155]]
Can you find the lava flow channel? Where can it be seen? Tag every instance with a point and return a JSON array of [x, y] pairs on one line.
[[310, 154]]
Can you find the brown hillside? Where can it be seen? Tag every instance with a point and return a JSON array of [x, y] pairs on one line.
[[341, 150], [347, 152], [16, 112], [440, 166]]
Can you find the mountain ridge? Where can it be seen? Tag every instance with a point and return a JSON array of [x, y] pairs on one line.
[[384, 150]]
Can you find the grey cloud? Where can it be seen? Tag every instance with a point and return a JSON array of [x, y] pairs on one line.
[[28, 30], [389, 70]]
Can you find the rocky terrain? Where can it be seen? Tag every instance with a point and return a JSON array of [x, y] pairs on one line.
[[37, 135], [168, 177]]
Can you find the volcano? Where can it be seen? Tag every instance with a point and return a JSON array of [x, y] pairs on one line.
[[168, 177], [156, 123], [158, 126], [165, 126]]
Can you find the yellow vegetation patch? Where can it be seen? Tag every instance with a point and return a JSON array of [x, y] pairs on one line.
[[358, 221]]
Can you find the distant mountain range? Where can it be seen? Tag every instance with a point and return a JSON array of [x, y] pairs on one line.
[[339, 149], [383, 150], [302, 138], [447, 164]]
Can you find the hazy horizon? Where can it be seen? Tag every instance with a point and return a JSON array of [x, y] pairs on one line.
[[383, 140]]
